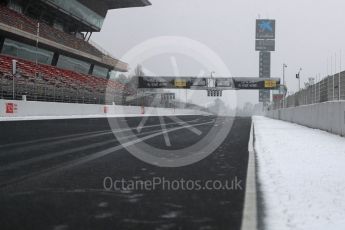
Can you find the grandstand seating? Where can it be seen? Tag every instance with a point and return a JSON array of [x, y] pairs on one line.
[[49, 83], [42, 82], [22, 22]]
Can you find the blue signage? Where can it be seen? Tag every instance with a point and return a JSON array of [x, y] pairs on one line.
[[265, 29]]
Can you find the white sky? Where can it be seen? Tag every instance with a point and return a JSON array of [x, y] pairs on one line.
[[308, 33]]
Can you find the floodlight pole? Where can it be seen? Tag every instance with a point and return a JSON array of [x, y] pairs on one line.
[[284, 66], [299, 79], [299, 82], [14, 72], [13, 94], [335, 70], [339, 78], [298, 76], [212, 73], [37, 37]]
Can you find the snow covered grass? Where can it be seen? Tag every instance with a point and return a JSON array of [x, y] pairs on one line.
[[302, 176]]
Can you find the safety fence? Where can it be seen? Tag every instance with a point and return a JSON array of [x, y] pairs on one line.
[[37, 89], [331, 88], [40, 90]]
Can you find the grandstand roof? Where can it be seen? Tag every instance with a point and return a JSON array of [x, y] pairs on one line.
[[102, 6], [116, 4]]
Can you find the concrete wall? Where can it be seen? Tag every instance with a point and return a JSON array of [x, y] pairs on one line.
[[49, 110], [327, 116]]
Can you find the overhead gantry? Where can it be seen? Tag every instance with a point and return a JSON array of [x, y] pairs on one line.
[[214, 86]]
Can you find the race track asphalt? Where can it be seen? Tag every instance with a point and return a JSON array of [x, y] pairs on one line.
[[57, 174]]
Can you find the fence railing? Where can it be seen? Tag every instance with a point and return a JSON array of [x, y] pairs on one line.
[[330, 88], [40, 90], [44, 91]]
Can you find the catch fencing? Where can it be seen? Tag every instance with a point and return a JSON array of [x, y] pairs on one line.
[[331, 88]]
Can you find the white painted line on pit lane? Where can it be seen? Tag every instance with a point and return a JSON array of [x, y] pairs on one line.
[[249, 218]]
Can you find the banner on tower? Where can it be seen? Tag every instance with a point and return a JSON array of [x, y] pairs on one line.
[[265, 29]]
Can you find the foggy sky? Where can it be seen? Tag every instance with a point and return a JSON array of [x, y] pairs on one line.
[[308, 34]]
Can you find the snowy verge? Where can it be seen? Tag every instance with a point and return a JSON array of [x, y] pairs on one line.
[[301, 174]]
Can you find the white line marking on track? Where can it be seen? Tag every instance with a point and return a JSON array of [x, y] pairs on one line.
[[61, 153], [86, 159], [71, 137], [192, 129]]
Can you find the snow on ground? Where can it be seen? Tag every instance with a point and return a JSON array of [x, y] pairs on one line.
[[302, 176]]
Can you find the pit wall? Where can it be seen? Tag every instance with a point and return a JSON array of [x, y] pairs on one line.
[[28, 110], [327, 116]]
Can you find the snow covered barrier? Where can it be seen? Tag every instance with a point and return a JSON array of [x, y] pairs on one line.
[[327, 116]]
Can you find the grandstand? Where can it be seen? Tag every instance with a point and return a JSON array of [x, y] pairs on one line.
[[56, 61]]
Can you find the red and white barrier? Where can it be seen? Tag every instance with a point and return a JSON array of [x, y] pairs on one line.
[[29, 110]]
